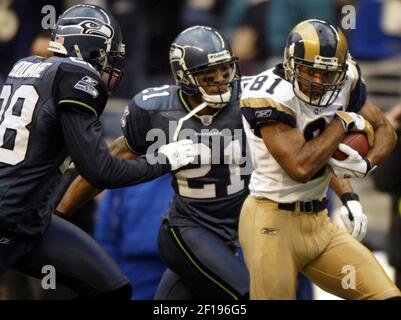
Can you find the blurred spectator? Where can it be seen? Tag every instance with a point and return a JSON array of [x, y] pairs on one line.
[[394, 116], [391, 19], [127, 225], [368, 41], [283, 15], [148, 29], [20, 22], [40, 45], [245, 19], [203, 12], [134, 36], [387, 178]]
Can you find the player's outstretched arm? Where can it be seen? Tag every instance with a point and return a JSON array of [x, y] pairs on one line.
[[385, 135], [299, 158], [92, 158], [81, 191]]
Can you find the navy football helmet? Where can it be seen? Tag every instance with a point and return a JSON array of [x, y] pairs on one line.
[[92, 34], [198, 50]]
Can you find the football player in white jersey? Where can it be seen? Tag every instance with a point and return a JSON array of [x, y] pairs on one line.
[[295, 116]]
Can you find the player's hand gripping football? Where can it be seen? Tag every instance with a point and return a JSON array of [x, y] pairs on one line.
[[179, 153], [353, 167], [354, 122], [353, 216]]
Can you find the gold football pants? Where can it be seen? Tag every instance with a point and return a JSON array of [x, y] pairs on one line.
[[277, 244]]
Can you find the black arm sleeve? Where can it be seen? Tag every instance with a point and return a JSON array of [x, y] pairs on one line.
[[83, 137]]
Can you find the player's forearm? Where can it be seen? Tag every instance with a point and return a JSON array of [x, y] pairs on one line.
[[341, 186], [79, 192], [313, 154], [385, 141], [119, 149], [385, 135]]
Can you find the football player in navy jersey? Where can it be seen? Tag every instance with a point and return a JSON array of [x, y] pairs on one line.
[[49, 109], [198, 236]]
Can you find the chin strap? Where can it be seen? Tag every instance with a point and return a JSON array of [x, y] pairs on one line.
[[216, 101], [78, 52], [188, 116]]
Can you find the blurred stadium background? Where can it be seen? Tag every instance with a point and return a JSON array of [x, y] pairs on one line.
[[258, 30]]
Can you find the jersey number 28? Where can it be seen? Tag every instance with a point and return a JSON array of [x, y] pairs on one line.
[[16, 112]]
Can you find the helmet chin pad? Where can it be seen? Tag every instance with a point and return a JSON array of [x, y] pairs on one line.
[[216, 101]]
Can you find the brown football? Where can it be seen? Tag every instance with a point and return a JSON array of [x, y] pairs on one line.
[[357, 141]]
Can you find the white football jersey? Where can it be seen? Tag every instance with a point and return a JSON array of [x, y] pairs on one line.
[[270, 97]]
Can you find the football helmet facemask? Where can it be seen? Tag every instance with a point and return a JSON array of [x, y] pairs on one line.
[[196, 55], [315, 61], [90, 33]]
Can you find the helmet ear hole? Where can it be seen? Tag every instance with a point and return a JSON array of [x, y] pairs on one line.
[[95, 57], [93, 54]]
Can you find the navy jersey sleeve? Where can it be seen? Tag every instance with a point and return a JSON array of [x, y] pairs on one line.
[[135, 125], [89, 152], [79, 86], [358, 92]]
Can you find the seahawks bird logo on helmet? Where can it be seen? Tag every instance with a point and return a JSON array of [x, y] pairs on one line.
[[316, 47], [89, 27]]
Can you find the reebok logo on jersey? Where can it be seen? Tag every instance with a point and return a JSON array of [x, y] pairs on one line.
[[263, 113], [270, 231], [5, 240], [87, 84], [206, 119]]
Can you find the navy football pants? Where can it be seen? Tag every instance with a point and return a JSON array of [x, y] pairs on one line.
[[80, 263], [200, 266]]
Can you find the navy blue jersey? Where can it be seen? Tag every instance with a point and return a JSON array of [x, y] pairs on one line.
[[210, 191], [31, 139], [49, 108]]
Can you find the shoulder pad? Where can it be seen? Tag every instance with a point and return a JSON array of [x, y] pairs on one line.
[[158, 98], [353, 73], [271, 86], [78, 84], [79, 63]]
